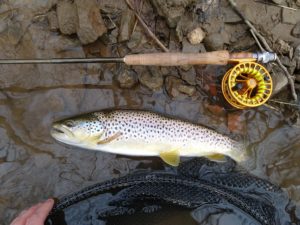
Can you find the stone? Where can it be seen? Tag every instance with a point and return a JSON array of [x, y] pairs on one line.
[[297, 78], [172, 84], [297, 87], [290, 16], [230, 16], [161, 31], [215, 109], [113, 36], [297, 57], [214, 41], [189, 76], [289, 63], [296, 30], [283, 47], [187, 89], [187, 47], [152, 79], [280, 81], [127, 79], [67, 17], [52, 20], [196, 36], [137, 39], [177, 88], [234, 122], [171, 10], [126, 25], [279, 2], [14, 33], [90, 23]]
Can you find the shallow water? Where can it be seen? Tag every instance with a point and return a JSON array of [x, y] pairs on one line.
[[33, 166]]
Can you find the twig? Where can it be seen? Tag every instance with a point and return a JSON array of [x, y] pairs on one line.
[[282, 6], [150, 33], [139, 12], [272, 107], [267, 47], [284, 103], [257, 41]]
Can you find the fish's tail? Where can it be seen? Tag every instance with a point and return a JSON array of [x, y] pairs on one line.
[[240, 152]]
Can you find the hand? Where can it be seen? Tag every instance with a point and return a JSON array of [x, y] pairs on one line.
[[36, 215]]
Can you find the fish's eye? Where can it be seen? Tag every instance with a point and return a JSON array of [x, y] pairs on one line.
[[69, 123]]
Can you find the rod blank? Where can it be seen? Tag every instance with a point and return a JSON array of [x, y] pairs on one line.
[[62, 61]]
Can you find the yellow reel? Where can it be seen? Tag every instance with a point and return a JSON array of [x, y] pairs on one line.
[[248, 84]]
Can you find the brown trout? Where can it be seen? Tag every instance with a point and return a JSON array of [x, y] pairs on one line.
[[143, 133]]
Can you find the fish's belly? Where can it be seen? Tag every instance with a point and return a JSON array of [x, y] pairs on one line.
[[136, 148], [154, 148]]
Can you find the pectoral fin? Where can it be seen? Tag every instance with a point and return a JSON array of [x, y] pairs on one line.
[[170, 157], [109, 139], [93, 140]]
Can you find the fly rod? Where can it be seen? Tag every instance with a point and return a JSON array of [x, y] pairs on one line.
[[247, 84], [159, 59]]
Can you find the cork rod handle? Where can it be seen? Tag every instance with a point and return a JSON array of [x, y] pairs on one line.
[[177, 59]]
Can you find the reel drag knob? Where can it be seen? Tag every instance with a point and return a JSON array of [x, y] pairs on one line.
[[248, 84]]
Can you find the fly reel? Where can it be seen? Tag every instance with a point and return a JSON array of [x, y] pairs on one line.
[[248, 84]]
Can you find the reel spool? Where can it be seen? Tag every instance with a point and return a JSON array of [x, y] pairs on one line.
[[248, 84]]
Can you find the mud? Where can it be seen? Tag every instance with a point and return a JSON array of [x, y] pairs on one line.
[[33, 166]]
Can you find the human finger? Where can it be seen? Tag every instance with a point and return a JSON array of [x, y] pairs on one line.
[[22, 217], [40, 214]]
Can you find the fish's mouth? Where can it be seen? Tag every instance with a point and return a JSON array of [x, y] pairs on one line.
[[62, 134]]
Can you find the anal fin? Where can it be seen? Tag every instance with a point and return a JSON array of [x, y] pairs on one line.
[[171, 157], [216, 157]]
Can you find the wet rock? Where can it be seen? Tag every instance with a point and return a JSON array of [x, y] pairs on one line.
[[176, 87], [297, 57], [31, 6], [52, 20], [187, 89], [161, 31], [185, 25], [214, 41], [171, 10], [172, 84], [230, 16], [297, 87], [280, 81], [14, 33], [152, 79], [297, 78], [90, 23], [67, 17], [296, 30], [126, 26], [196, 36], [189, 48], [284, 48], [279, 2], [235, 122], [189, 76], [290, 16], [289, 63], [137, 40], [127, 79], [113, 35], [215, 109]]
